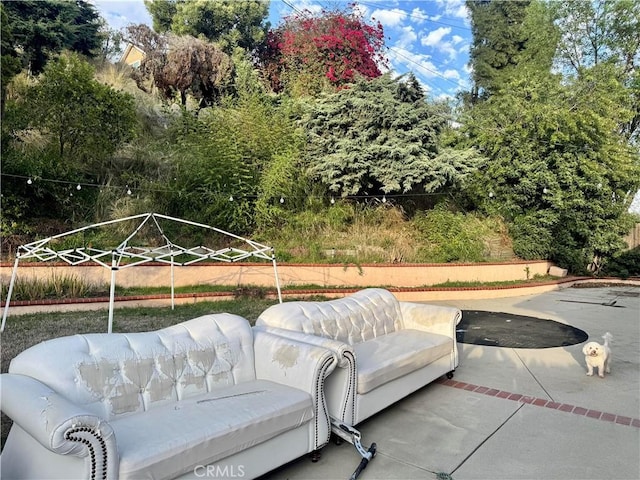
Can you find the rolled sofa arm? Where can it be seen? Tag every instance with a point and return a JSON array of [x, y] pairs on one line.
[[341, 385], [431, 318], [298, 365], [58, 424]]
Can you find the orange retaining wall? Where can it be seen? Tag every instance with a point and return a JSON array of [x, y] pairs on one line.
[[261, 274]]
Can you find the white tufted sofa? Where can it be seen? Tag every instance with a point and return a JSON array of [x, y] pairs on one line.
[[207, 397], [386, 349]]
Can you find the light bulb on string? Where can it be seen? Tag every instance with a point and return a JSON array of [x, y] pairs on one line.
[[333, 200], [29, 181], [78, 187], [231, 198], [281, 199], [384, 199]]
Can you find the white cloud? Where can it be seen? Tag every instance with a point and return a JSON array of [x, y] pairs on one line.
[[418, 15], [308, 5], [406, 37], [418, 62], [434, 38], [119, 14], [390, 18], [454, 8], [451, 74]]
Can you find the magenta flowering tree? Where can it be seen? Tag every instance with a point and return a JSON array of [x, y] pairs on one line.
[[311, 53]]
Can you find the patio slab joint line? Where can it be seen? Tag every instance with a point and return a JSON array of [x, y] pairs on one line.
[[541, 402]]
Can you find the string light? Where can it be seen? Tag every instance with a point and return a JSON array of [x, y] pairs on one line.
[[332, 199]]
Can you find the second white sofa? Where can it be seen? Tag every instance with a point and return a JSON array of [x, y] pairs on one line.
[[386, 348]]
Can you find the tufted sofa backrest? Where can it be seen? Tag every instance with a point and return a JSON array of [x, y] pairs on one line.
[[357, 318], [113, 374]]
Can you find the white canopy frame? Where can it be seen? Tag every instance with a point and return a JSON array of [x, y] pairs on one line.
[[137, 255]]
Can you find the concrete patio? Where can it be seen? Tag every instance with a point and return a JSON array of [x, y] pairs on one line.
[[514, 413]]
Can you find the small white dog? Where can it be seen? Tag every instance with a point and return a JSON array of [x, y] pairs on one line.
[[598, 356]]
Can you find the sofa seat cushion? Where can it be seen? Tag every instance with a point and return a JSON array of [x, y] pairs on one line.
[[396, 354], [173, 439]]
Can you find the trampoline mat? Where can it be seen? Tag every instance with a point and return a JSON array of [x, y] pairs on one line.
[[515, 331]]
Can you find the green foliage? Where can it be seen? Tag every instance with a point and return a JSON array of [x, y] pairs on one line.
[[44, 28], [447, 236], [211, 180], [57, 287], [228, 23], [9, 63], [85, 118], [377, 136], [557, 167], [498, 39], [283, 189], [64, 126], [219, 157], [624, 264], [598, 33]]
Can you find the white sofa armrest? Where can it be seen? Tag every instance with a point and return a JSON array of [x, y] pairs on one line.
[[341, 385], [300, 365], [431, 318], [58, 424]]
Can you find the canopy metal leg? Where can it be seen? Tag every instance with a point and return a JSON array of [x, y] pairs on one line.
[[11, 283]]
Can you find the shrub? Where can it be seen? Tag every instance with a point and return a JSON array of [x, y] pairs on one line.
[[624, 265], [449, 236]]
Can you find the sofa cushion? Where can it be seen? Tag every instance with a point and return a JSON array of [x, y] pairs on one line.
[[391, 356], [171, 440]]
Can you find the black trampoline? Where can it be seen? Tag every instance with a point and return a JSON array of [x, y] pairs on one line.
[[515, 331]]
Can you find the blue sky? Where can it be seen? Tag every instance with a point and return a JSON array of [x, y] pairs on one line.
[[431, 38]]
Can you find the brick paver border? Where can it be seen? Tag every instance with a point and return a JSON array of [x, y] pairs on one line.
[[541, 402]]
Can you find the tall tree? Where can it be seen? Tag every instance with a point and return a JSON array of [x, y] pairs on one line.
[[558, 168], [498, 39], [604, 31], [162, 12], [312, 52], [44, 27], [230, 23]]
